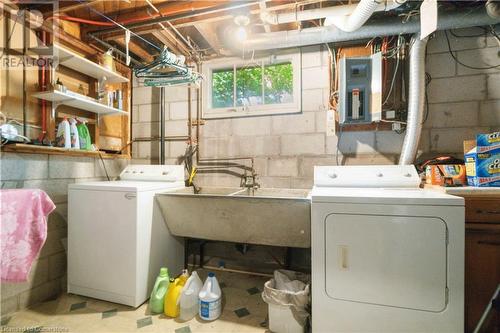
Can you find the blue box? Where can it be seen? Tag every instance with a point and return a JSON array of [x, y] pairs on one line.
[[483, 168], [488, 142]]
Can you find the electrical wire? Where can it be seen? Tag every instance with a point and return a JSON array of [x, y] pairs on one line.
[[461, 63], [428, 79]]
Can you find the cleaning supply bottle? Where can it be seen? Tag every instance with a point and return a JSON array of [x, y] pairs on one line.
[[171, 305], [84, 136], [210, 299], [75, 139], [189, 300], [159, 291], [63, 136]]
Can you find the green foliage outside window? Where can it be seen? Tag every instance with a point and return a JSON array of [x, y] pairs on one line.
[[277, 82]]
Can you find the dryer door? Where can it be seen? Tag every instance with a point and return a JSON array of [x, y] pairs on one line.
[[398, 261]]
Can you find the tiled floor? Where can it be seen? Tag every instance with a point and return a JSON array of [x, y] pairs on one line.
[[243, 311]]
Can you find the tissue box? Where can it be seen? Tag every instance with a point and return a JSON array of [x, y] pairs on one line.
[[446, 175], [482, 163]]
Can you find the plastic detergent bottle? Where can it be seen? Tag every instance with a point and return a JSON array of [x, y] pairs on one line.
[[84, 137], [210, 298], [75, 140], [171, 304], [63, 137], [159, 291], [189, 300]]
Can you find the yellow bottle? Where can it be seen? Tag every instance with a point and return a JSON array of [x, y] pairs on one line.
[[171, 304]]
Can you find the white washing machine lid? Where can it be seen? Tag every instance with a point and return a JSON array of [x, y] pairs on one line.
[[126, 186], [387, 196]]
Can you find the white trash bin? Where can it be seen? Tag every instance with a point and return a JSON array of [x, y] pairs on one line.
[[287, 296]]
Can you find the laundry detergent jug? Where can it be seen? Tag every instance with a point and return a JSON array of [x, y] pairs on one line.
[[160, 288], [189, 300], [210, 299], [171, 305]]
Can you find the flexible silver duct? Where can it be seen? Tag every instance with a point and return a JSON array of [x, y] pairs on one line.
[[416, 98], [388, 26], [359, 16]]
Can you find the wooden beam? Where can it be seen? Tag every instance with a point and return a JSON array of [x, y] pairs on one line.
[[166, 40], [209, 33], [135, 48], [76, 6]]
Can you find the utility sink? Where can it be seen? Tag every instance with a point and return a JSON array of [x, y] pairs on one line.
[[267, 216]]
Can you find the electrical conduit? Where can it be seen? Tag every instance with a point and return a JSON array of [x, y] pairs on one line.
[[416, 98]]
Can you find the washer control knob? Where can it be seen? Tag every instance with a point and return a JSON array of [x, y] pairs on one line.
[[380, 174], [408, 175], [333, 175]]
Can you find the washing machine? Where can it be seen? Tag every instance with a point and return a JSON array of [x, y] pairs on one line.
[[117, 238], [387, 256]]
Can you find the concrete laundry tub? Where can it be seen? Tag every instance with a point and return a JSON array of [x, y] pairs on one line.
[[266, 216]]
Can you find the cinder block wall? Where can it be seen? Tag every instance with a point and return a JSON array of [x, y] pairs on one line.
[[53, 174], [462, 102]]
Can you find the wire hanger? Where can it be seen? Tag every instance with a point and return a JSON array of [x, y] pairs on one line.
[[167, 69]]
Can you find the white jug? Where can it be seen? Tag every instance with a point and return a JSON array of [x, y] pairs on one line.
[[210, 299], [189, 299]]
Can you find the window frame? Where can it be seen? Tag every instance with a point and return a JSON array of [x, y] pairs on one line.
[[254, 110]]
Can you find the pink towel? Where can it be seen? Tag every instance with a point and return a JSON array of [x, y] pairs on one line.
[[23, 220]]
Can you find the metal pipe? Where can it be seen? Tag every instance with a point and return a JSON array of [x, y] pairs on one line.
[[189, 113], [416, 99], [162, 125], [388, 26], [108, 46]]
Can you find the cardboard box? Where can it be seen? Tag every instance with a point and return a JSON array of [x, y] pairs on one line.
[[446, 175], [482, 162]]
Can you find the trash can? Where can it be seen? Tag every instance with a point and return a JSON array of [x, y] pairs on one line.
[[287, 296]]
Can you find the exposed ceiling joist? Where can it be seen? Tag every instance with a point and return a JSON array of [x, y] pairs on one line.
[[135, 48], [209, 33]]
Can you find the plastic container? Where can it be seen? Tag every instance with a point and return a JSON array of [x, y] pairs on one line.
[[75, 139], [171, 304], [63, 136], [84, 136], [210, 299], [189, 300], [160, 289], [287, 296]]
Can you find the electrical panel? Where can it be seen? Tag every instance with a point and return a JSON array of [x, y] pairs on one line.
[[360, 89]]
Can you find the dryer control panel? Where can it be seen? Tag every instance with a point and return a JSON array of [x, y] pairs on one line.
[[166, 173]]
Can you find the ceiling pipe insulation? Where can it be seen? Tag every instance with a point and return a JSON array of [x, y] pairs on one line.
[[387, 26], [416, 98]]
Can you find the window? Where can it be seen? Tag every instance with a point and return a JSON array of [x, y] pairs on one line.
[[236, 88]]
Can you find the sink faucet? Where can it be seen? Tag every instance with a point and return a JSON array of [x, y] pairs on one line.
[[249, 181]]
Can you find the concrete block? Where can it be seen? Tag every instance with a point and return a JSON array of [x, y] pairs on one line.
[[320, 121], [58, 218], [53, 243], [55, 188], [302, 144], [44, 292], [461, 114], [424, 145], [440, 65], [315, 77], [135, 113], [388, 142], [258, 145], [457, 89], [260, 165], [252, 126], [283, 167], [176, 127], [145, 130], [302, 183], [216, 128], [71, 167], [370, 159], [11, 184], [357, 142], [450, 140], [23, 166], [151, 113], [113, 166], [331, 145], [179, 110], [217, 180], [9, 305], [275, 182], [218, 147], [311, 56], [146, 150], [438, 44], [38, 275], [481, 58], [313, 100], [299, 123], [307, 165], [57, 265], [494, 86], [145, 95], [177, 148], [175, 94], [489, 113]]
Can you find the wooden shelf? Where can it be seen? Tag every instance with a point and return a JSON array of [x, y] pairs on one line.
[[79, 102], [32, 149], [80, 64]]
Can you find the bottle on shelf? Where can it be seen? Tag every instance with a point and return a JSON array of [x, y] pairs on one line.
[[75, 138], [63, 136]]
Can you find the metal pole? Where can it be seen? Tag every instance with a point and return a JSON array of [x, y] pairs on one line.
[[162, 125]]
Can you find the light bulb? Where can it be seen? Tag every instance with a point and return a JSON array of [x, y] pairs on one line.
[[241, 34]]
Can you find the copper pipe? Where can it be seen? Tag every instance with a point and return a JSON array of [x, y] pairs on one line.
[[189, 113]]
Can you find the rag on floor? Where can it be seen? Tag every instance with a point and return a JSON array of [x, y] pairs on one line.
[[23, 222]]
